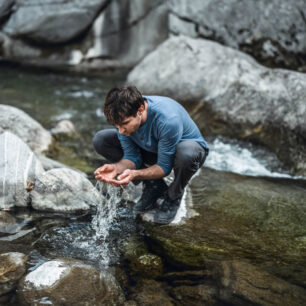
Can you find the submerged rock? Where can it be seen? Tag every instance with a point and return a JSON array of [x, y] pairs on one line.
[[200, 294], [64, 129], [19, 167], [12, 268], [260, 220], [147, 265], [69, 282], [230, 94], [10, 224], [150, 292], [22, 125], [240, 282], [63, 190]]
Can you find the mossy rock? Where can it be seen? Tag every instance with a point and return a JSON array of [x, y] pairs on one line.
[[261, 220], [141, 262]]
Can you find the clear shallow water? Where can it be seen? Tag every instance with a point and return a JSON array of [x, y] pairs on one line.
[[50, 97]]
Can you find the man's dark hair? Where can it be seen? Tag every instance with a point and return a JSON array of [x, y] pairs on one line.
[[122, 102]]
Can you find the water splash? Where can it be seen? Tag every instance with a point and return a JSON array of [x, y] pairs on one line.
[[243, 158], [104, 220]]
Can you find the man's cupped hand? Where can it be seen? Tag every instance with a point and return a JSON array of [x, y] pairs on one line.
[[107, 173]]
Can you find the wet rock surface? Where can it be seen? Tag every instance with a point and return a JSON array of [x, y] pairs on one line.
[[69, 282], [64, 190], [19, 168], [230, 94], [12, 268], [258, 220], [273, 32], [150, 292], [240, 281]]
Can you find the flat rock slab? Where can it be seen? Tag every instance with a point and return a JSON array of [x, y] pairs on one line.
[[258, 220]]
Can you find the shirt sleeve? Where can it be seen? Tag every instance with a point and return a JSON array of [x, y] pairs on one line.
[[170, 135], [130, 150]]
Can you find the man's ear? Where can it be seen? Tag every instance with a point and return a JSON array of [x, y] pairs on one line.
[[141, 108]]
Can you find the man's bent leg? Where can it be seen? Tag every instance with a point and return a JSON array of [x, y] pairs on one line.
[[152, 189], [189, 157], [107, 144]]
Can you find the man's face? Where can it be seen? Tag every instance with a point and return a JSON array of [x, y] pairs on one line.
[[129, 125]]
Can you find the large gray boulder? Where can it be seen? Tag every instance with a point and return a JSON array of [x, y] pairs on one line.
[[273, 31], [69, 282], [229, 93], [52, 21], [22, 125], [18, 167], [63, 190]]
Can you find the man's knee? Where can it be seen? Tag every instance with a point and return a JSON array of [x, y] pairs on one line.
[[189, 154], [99, 141], [107, 144]]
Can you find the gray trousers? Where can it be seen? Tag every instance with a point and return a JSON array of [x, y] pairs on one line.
[[189, 157]]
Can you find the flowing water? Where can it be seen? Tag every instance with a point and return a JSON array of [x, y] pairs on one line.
[[49, 98]]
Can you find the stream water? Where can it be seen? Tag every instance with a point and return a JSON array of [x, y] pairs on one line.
[[49, 98]]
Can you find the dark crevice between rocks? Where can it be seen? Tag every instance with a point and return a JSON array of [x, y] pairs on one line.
[[124, 27], [282, 59], [186, 19]]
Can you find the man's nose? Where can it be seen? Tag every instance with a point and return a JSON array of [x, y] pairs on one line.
[[121, 130]]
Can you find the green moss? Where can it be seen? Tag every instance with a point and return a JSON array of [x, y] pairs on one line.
[[189, 255], [69, 156]]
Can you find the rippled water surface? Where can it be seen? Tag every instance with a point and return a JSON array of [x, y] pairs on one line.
[[50, 97]]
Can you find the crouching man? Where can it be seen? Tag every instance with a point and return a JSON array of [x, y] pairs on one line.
[[152, 136]]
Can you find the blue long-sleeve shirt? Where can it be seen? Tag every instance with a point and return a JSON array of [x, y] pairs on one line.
[[167, 124]]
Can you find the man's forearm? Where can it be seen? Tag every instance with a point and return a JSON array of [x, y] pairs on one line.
[[124, 164], [152, 173]]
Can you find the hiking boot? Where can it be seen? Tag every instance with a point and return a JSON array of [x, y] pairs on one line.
[[167, 211], [153, 189]]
